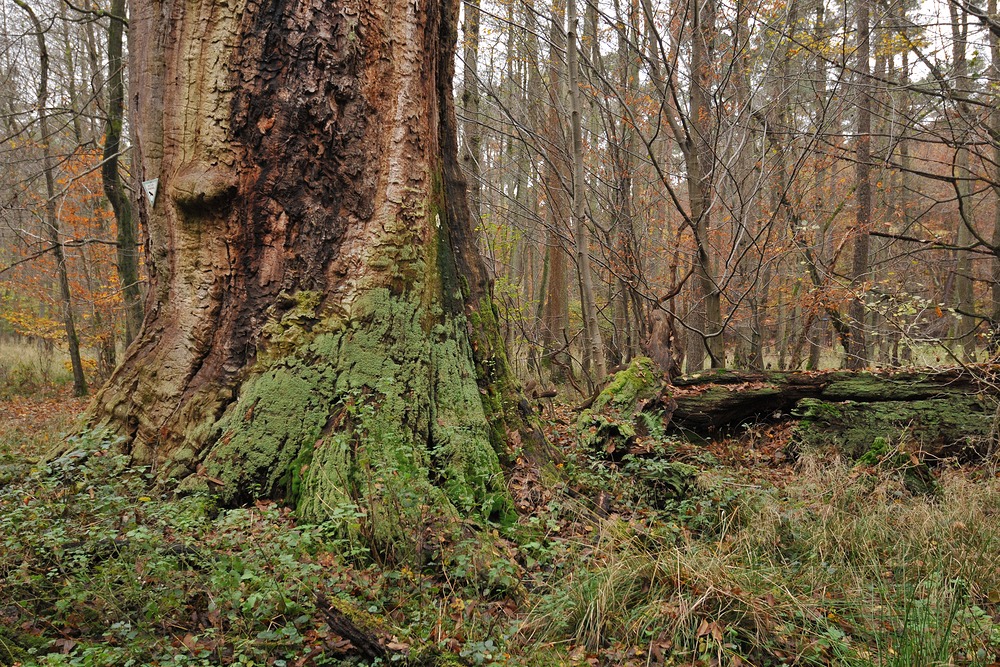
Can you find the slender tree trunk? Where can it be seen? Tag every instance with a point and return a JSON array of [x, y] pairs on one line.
[[313, 255], [995, 124], [964, 331], [699, 157], [73, 96], [555, 327], [857, 355], [630, 312], [755, 277], [592, 330], [535, 120], [472, 158], [818, 331], [903, 189], [114, 190], [782, 188], [51, 217]]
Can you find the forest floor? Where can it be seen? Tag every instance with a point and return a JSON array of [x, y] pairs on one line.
[[734, 552]]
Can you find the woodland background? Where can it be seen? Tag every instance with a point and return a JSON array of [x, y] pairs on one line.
[[751, 184], [773, 184]]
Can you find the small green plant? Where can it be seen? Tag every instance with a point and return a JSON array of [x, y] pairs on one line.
[[916, 474], [661, 482]]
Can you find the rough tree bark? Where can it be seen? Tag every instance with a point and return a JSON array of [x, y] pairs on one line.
[[319, 325]]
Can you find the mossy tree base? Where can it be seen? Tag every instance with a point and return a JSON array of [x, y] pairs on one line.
[[374, 421]]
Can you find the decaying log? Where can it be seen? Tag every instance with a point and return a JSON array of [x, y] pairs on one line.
[[363, 636], [938, 412], [716, 399], [947, 412]]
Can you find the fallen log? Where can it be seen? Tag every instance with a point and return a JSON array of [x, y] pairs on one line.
[[943, 412], [947, 412]]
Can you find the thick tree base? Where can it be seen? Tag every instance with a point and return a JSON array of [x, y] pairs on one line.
[[371, 420]]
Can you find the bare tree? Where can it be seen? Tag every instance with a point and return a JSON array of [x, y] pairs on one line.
[[51, 217]]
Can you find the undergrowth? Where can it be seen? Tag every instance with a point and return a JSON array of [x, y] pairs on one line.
[[829, 564], [652, 552]]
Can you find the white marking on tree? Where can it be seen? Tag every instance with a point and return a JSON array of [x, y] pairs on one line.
[[151, 188]]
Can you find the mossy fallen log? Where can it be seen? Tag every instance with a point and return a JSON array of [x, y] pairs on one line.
[[947, 426], [941, 412], [946, 412]]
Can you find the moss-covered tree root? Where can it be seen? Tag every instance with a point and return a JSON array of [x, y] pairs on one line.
[[372, 420]]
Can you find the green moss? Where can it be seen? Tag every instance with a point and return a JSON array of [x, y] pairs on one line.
[[871, 387], [934, 425], [381, 412], [875, 453], [628, 387], [497, 392], [280, 413], [16, 646], [815, 410], [610, 425], [916, 474]]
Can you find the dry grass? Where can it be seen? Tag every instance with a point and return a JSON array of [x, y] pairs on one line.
[[28, 368], [841, 566]]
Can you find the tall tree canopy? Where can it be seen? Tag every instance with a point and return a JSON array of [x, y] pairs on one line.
[[319, 325]]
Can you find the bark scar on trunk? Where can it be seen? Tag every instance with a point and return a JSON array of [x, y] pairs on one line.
[[203, 189]]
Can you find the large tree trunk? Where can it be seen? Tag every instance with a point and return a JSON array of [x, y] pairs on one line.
[[320, 325]]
